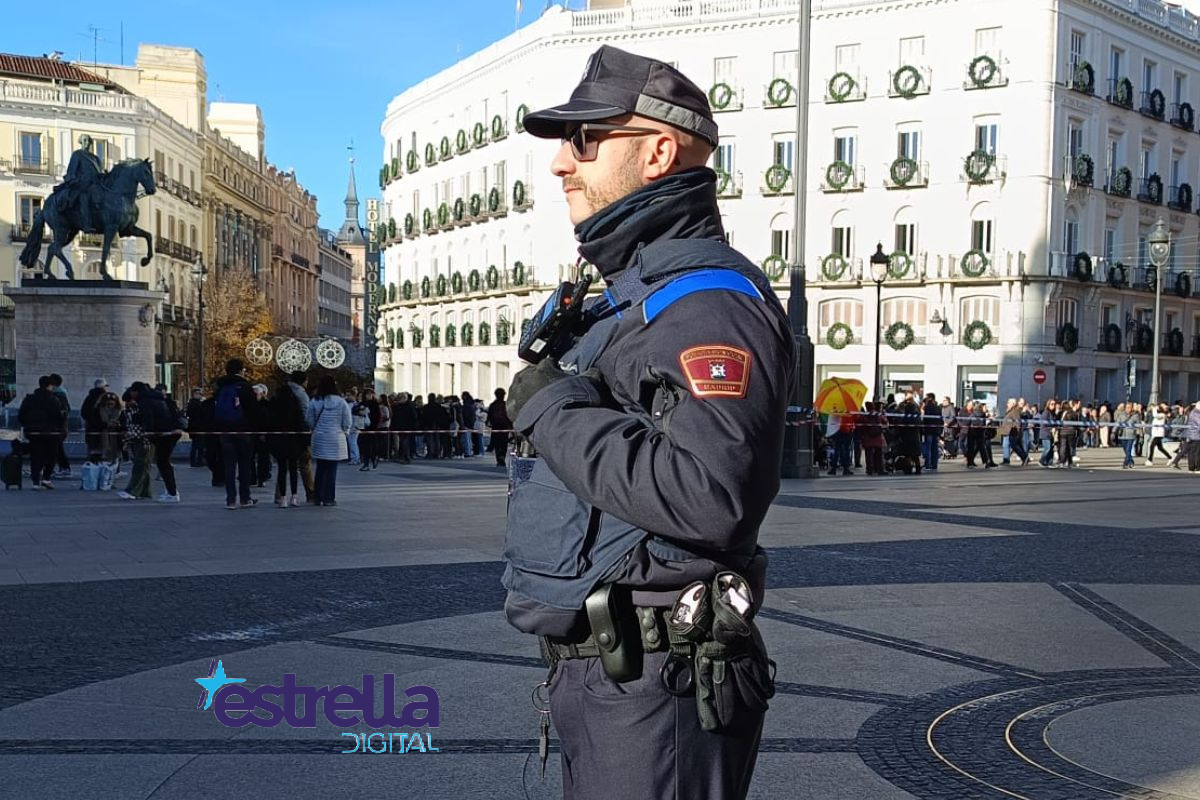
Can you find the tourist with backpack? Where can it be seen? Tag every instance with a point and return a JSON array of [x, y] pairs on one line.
[[233, 412]]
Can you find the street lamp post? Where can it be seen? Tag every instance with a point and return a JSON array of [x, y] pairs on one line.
[[879, 270], [1160, 250], [199, 272], [163, 289]]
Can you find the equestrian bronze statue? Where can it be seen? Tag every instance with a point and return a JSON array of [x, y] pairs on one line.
[[90, 200]]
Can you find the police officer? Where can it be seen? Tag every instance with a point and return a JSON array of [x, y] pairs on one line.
[[658, 438]]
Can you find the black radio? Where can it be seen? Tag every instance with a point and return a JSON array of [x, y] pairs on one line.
[[552, 332]]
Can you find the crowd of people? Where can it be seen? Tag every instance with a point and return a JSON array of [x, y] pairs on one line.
[[909, 434], [244, 433]]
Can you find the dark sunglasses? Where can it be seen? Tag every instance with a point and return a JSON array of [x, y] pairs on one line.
[[585, 147]]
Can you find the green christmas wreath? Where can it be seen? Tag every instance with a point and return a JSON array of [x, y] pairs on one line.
[[478, 134], [518, 274], [497, 127], [415, 334], [982, 71], [460, 210], [451, 336], [413, 161], [406, 290], [841, 86], [439, 286], [456, 282], [899, 335], [443, 215], [444, 150], [779, 91], [839, 335], [724, 180], [838, 174], [977, 335], [468, 334], [461, 141], [974, 263], [1084, 78], [430, 155], [522, 110], [494, 200], [384, 175], [427, 219], [425, 286], [1081, 266], [777, 177], [907, 81], [774, 266], [502, 331], [399, 337], [900, 264], [476, 205], [391, 228], [485, 334], [410, 224], [833, 267], [903, 170], [977, 165], [493, 277], [473, 280], [435, 336], [720, 96], [518, 194], [1068, 337]]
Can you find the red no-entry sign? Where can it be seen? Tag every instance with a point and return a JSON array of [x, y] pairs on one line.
[[1039, 376]]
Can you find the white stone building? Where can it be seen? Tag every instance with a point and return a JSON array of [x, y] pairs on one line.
[[959, 134]]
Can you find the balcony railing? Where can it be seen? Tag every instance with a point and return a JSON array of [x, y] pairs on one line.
[[777, 180], [1180, 197], [905, 173], [843, 177], [909, 80], [1119, 182], [984, 167], [845, 87], [1150, 190], [32, 166], [277, 250], [1183, 116], [300, 260], [167, 247], [20, 232], [1195, 351], [177, 188], [1120, 92], [729, 185], [1110, 341], [985, 71], [1152, 104]]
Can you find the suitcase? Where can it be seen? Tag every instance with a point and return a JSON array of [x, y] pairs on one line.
[[89, 476], [11, 471], [108, 473]]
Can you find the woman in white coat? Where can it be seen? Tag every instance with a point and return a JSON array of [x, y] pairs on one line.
[[329, 419]]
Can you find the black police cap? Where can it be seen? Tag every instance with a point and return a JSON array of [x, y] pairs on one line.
[[617, 83]]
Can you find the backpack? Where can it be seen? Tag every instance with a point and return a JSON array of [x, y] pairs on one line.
[[228, 406]]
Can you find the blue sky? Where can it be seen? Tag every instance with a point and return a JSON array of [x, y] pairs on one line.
[[322, 72]]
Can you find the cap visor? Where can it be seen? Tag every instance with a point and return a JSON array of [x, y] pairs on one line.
[[551, 123]]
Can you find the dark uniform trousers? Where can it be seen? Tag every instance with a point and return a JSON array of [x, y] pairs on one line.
[[635, 741]]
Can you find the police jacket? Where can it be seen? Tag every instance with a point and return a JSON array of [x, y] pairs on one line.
[[658, 466]]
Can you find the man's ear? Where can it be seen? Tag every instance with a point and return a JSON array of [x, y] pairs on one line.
[[660, 156]]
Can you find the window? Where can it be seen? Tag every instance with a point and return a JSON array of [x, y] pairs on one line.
[[781, 244], [1116, 64], [782, 147], [847, 312], [1078, 42], [1071, 236], [843, 241], [1149, 76], [1179, 88], [981, 235], [845, 58], [1146, 161], [28, 206], [1177, 174], [103, 150], [912, 50], [1110, 244], [1113, 154], [906, 238], [1074, 138], [986, 136], [908, 145], [31, 150], [913, 311], [987, 41], [844, 147], [723, 70], [1066, 311], [724, 155], [785, 65], [986, 309], [498, 176]]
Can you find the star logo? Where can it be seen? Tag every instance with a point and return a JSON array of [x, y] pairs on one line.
[[213, 683]]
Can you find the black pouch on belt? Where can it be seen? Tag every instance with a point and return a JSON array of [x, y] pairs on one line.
[[614, 629]]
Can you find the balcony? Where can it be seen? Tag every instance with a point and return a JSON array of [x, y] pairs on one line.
[[724, 96], [1120, 92], [1195, 351], [300, 260], [981, 167], [32, 166], [167, 247], [1183, 116], [1150, 190], [779, 93], [20, 232], [728, 185], [777, 181], [843, 177], [905, 173], [1172, 342], [277, 250], [985, 72], [1119, 182], [837, 268], [1179, 197], [1082, 78], [1109, 339], [1082, 170], [909, 81], [845, 87], [1152, 104]]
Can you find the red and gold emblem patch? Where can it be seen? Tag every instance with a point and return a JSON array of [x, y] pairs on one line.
[[716, 370]]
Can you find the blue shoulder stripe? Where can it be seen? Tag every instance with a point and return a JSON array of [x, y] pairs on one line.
[[699, 281]]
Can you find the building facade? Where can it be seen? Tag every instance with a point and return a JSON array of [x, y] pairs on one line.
[[46, 106], [335, 271], [1011, 188], [291, 285]]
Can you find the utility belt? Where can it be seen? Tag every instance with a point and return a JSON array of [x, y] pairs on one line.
[[715, 651]]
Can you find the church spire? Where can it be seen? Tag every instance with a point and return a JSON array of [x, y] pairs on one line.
[[351, 232]]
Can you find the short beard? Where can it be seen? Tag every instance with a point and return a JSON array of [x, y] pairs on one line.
[[626, 179]]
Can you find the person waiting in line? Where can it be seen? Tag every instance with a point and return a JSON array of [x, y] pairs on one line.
[[329, 419], [500, 424], [168, 423], [1128, 421], [870, 433], [1158, 431], [1069, 434], [289, 423]]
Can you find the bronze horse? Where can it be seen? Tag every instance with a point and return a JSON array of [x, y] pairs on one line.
[[118, 214]]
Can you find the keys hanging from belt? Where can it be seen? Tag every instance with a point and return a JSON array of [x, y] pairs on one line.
[[541, 704]]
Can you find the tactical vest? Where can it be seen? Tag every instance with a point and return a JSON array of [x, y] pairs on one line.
[[558, 547]]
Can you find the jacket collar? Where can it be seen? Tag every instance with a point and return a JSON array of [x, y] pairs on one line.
[[679, 206]]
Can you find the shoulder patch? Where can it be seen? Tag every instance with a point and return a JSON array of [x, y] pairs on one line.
[[716, 370]]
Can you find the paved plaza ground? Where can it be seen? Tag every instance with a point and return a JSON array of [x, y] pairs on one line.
[[1017, 632]]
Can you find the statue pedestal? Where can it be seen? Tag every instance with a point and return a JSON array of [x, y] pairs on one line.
[[84, 330]]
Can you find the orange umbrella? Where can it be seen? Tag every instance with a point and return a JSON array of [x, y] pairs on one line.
[[840, 396]]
